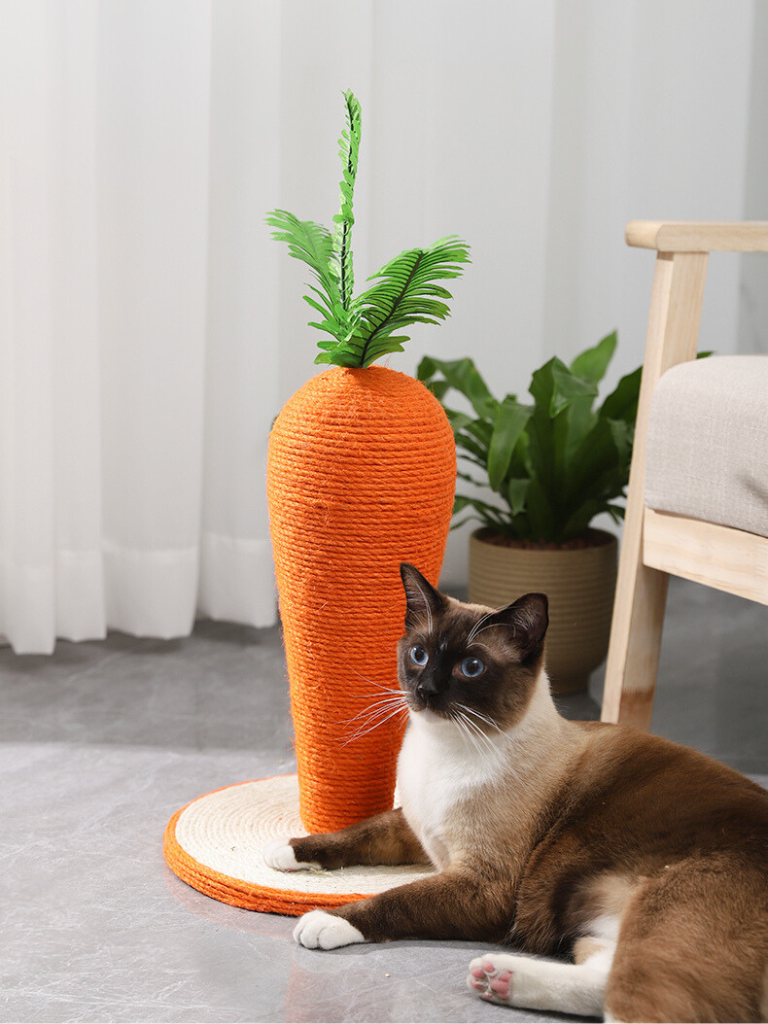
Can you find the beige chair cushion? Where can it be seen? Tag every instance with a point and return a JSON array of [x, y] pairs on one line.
[[707, 454]]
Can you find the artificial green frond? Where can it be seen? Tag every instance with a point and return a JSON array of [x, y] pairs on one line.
[[349, 147], [371, 325], [406, 293], [312, 244]]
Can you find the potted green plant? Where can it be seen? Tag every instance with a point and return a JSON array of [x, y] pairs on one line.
[[361, 477], [552, 466]]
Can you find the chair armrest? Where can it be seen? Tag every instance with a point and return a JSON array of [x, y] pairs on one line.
[[698, 236]]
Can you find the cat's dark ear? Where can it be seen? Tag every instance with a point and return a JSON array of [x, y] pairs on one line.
[[527, 620], [421, 598]]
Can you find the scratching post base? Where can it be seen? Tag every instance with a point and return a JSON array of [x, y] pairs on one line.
[[215, 845]]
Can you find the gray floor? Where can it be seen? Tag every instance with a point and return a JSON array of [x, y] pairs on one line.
[[101, 743]]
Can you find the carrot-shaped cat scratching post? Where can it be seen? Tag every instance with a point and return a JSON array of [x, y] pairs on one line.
[[361, 477], [362, 471]]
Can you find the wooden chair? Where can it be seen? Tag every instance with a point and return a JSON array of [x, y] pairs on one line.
[[657, 543]]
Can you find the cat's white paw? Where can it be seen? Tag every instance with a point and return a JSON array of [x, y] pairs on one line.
[[540, 984], [279, 855], [321, 930]]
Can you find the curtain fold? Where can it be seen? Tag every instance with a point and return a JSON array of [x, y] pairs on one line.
[[150, 329], [135, 403]]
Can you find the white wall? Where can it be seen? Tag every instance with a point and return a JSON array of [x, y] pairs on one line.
[[535, 129], [150, 329]]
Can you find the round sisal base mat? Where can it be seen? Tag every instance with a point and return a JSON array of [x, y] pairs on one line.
[[215, 845]]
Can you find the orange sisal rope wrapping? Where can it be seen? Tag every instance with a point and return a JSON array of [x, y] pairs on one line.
[[361, 477]]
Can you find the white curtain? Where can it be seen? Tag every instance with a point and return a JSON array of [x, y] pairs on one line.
[[138, 374], [150, 329]]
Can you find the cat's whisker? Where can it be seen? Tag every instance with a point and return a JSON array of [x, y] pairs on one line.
[[482, 646], [381, 702], [364, 732], [476, 632], [376, 696], [456, 718], [476, 628], [379, 686], [482, 737], [426, 605], [369, 725], [472, 733], [361, 721], [378, 707], [484, 744], [395, 696], [481, 716]]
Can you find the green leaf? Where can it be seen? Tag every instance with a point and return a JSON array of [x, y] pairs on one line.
[[469, 479], [406, 293], [621, 404], [469, 444], [323, 310], [511, 420], [565, 464], [542, 519], [439, 388], [592, 364], [561, 416], [517, 492], [616, 512], [312, 244], [464, 377], [598, 474], [460, 503], [463, 522], [407, 289], [489, 514], [554, 387], [458, 420], [349, 147]]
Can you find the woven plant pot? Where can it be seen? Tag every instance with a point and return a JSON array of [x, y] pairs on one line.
[[579, 583], [361, 476]]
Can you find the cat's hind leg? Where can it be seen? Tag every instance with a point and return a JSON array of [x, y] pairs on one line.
[[694, 943], [522, 981], [383, 839]]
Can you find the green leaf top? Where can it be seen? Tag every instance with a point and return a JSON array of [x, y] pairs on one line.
[[312, 244], [406, 291], [349, 147], [592, 363]]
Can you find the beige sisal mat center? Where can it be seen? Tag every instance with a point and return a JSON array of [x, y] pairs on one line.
[[215, 845]]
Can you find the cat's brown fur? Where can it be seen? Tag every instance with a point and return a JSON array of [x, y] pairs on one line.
[[587, 823]]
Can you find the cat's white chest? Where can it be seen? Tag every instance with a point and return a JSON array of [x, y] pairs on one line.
[[438, 771]]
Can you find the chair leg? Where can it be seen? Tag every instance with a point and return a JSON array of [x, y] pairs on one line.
[[641, 592], [633, 659]]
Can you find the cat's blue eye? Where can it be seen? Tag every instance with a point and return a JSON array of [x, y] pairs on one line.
[[472, 668], [419, 655]]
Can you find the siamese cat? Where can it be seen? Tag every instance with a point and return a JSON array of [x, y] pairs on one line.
[[646, 861]]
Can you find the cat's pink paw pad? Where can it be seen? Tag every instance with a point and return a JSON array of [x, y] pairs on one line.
[[488, 981], [500, 985]]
